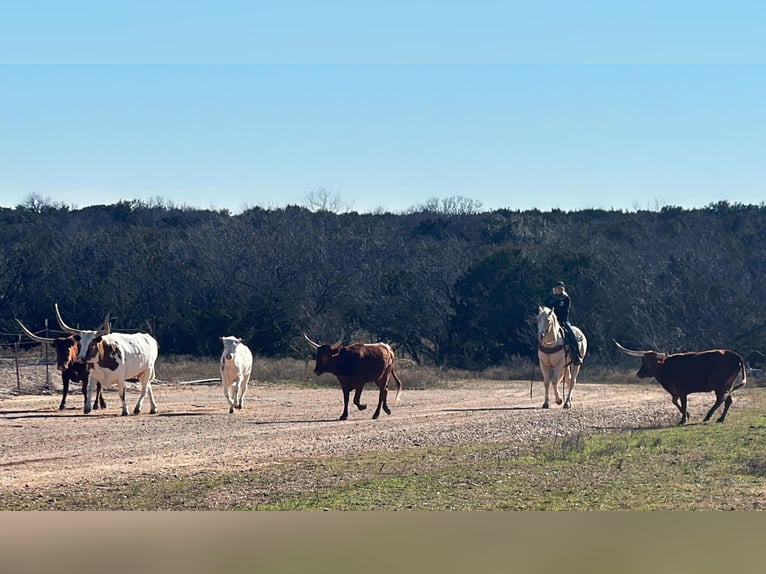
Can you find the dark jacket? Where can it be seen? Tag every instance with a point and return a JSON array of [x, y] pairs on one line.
[[560, 305]]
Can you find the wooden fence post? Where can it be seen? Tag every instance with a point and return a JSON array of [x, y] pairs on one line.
[[16, 356]]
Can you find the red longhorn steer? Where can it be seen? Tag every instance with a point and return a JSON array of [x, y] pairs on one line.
[[685, 373], [355, 365], [67, 349]]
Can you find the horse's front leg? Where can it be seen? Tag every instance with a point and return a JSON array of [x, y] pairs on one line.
[[569, 383], [558, 374]]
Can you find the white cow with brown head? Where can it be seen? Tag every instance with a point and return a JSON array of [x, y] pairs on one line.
[[118, 356], [236, 367]]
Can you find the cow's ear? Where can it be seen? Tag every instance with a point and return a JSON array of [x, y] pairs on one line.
[[98, 339], [77, 338]]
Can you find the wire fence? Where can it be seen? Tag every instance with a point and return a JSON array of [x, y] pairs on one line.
[[20, 354]]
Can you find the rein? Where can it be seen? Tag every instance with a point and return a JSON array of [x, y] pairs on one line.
[[548, 350]]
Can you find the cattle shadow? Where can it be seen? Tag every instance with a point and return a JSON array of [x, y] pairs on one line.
[[296, 422], [490, 409], [32, 414]]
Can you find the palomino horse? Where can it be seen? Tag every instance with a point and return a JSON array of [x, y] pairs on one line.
[[553, 356]]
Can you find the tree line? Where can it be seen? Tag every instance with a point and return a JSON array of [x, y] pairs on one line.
[[445, 283]]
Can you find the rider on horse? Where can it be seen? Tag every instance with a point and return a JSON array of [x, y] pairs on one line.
[[560, 302]]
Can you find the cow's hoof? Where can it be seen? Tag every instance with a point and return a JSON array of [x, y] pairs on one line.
[[559, 401], [343, 417], [545, 405], [376, 415], [567, 405], [124, 414], [103, 404], [62, 406], [95, 406], [231, 410], [361, 407], [388, 411], [136, 411], [238, 406], [86, 410], [153, 412]]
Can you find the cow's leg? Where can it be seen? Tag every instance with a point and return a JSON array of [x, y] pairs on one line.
[[88, 387], [65, 381], [242, 389], [97, 402], [150, 391], [381, 401], [385, 397], [677, 402], [719, 398], [146, 388], [358, 397], [346, 393], [684, 413], [121, 392], [99, 396], [227, 392], [726, 405]]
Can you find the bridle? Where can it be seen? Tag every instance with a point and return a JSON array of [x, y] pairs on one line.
[[544, 336]]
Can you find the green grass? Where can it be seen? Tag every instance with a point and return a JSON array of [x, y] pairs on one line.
[[697, 467]]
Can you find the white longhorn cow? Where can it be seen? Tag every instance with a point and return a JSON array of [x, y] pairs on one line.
[[236, 367], [113, 358], [83, 336]]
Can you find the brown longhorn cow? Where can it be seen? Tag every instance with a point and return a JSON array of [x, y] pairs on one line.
[[702, 372], [67, 349], [355, 365]]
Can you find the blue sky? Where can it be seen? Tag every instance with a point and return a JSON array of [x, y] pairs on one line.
[[233, 105]]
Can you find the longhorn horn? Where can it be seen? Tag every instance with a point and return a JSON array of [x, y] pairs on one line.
[[32, 336], [628, 352], [312, 343], [64, 326], [105, 328], [340, 339]]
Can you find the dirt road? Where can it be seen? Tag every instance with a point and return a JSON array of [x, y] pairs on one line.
[[41, 446]]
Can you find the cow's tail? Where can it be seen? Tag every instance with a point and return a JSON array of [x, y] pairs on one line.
[[743, 372], [398, 386]]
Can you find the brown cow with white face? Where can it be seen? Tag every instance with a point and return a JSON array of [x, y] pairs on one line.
[[684, 373], [355, 365]]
